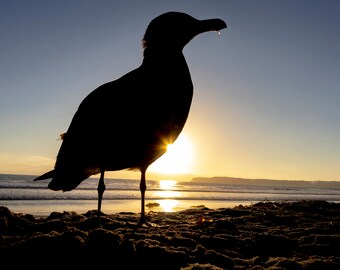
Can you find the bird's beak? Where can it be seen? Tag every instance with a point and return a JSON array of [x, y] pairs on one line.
[[211, 25]]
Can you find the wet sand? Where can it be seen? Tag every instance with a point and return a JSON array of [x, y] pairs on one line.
[[266, 235]]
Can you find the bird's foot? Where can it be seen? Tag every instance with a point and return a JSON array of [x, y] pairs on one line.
[[142, 222]]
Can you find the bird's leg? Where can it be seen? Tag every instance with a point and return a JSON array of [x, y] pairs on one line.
[[142, 187], [100, 189]]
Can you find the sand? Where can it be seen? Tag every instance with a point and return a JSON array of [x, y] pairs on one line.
[[266, 235]]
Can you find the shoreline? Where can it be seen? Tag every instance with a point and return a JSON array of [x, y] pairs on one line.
[[43, 208], [265, 235]]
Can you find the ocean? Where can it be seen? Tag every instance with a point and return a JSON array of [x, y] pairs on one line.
[[23, 195]]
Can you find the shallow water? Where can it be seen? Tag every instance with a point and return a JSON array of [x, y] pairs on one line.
[[21, 194]]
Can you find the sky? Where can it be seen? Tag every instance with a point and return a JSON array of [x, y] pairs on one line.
[[266, 91]]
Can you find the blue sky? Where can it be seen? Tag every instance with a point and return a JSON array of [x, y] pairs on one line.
[[266, 97]]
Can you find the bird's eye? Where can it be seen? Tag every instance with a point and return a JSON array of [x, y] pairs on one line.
[[218, 33]]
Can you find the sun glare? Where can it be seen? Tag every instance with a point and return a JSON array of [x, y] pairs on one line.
[[177, 159]]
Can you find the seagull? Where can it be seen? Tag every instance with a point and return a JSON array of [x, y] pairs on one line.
[[127, 124]]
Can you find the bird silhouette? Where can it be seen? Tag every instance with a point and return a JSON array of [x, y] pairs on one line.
[[128, 123]]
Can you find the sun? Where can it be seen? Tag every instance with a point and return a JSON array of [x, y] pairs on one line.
[[177, 159]]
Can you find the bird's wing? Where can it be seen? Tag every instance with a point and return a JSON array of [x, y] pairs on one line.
[[115, 122], [126, 123]]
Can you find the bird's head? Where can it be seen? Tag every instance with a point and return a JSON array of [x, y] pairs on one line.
[[173, 30]]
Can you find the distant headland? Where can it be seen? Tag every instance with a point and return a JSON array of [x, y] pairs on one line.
[[267, 182]]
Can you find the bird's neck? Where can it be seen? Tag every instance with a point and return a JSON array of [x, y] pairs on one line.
[[162, 56], [162, 50]]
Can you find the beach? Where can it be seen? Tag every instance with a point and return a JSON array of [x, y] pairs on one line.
[[265, 235]]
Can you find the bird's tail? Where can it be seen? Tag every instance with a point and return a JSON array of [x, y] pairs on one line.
[[51, 185], [47, 175], [62, 181]]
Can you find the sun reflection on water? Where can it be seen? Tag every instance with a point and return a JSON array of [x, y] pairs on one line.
[[167, 184], [167, 190], [167, 205], [167, 195]]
